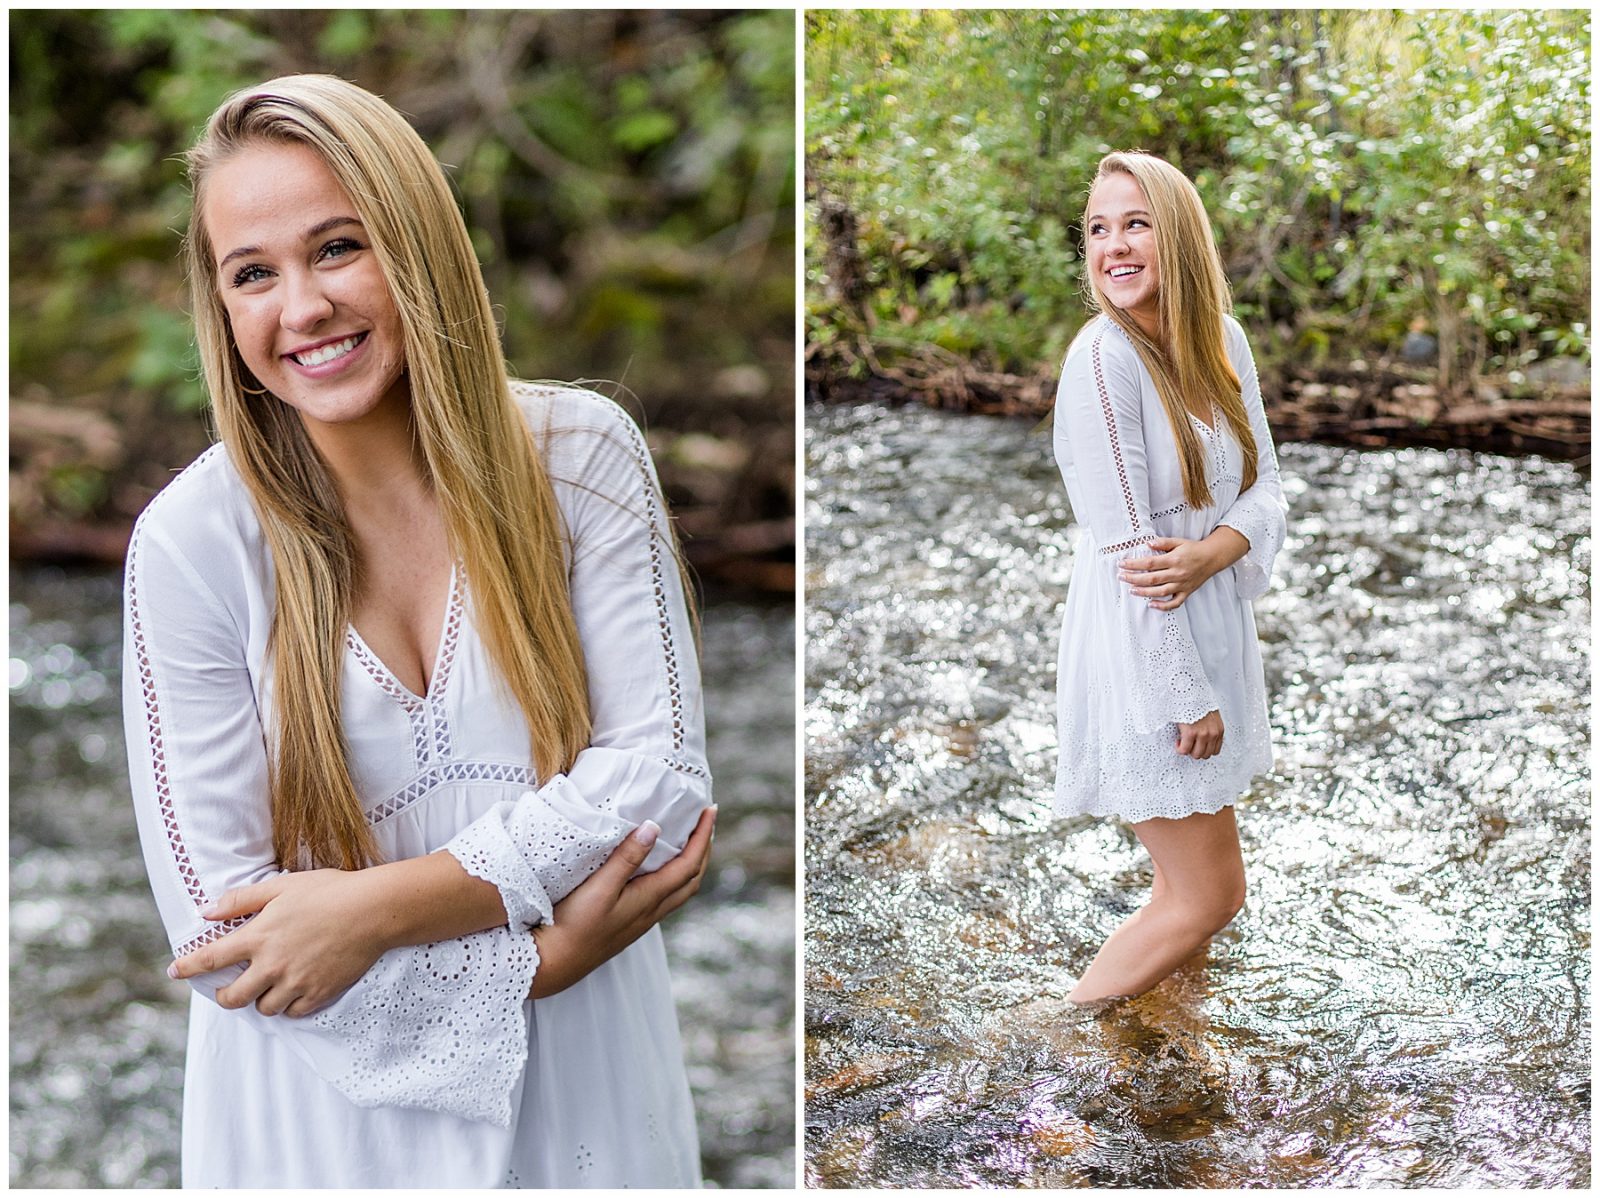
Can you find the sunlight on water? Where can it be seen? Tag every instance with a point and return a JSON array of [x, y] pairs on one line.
[[1403, 1001]]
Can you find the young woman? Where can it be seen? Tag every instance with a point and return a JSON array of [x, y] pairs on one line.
[[411, 692], [1169, 465]]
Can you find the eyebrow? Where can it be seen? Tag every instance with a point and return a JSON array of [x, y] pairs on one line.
[[317, 230], [1128, 213]]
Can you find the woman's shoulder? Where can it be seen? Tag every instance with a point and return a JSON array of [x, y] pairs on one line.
[[1103, 337], [585, 438], [1233, 335], [570, 408], [204, 511]]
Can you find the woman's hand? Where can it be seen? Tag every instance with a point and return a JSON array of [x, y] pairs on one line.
[[313, 939], [612, 909], [1181, 566], [1203, 738]]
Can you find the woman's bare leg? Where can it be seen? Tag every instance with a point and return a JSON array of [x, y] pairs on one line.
[[1199, 887]]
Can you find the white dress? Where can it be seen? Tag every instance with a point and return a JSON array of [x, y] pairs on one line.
[[1130, 673], [434, 1069]]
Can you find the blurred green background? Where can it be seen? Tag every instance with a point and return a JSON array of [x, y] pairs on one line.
[[1401, 199], [627, 176]]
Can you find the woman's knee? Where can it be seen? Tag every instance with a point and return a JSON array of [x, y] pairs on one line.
[[1215, 908], [1228, 902]]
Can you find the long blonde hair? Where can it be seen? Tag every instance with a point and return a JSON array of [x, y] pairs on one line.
[[1189, 356], [498, 506]]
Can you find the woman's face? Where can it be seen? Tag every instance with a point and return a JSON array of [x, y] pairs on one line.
[[1122, 249], [308, 303]]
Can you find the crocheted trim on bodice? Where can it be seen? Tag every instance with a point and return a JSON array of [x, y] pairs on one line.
[[430, 724]]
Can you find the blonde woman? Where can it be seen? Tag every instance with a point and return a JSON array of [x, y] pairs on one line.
[[1162, 440], [411, 693]]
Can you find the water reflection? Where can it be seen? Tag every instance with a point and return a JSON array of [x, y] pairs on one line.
[[1403, 1001], [97, 1030]]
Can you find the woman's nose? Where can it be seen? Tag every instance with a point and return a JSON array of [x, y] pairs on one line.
[[305, 303]]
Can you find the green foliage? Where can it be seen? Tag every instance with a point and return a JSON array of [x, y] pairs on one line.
[[1366, 171], [627, 178]]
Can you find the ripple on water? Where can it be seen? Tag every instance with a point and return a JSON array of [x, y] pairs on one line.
[[1403, 1000]]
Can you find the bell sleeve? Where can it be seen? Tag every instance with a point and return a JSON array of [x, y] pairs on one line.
[[1100, 447], [440, 1027], [1259, 514], [646, 757]]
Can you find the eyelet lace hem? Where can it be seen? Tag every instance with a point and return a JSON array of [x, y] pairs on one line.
[[440, 1028]]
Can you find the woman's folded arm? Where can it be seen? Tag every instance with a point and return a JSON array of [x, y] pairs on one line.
[[646, 758], [438, 1026]]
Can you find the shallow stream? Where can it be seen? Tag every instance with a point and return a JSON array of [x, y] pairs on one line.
[[1403, 1002]]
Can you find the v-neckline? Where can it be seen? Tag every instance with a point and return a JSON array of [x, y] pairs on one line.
[[388, 679], [1210, 428]]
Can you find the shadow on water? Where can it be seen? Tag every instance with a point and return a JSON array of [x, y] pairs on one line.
[[1403, 1001], [97, 1030]]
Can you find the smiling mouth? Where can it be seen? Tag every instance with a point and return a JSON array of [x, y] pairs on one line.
[[1125, 272], [328, 353]]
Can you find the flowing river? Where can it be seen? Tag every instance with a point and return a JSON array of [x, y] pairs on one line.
[[97, 1030], [1403, 1001]]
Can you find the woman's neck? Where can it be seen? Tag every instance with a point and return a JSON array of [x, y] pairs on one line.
[[376, 459]]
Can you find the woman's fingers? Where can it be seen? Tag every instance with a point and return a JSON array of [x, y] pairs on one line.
[[244, 900], [630, 854], [219, 954], [1201, 739], [669, 887], [274, 1001], [244, 990]]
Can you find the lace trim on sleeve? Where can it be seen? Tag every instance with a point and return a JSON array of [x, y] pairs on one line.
[[659, 533], [439, 1028], [1111, 433], [1123, 546], [1172, 680], [1261, 524], [687, 767], [158, 763], [485, 850]]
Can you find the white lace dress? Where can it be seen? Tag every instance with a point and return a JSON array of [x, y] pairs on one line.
[[1130, 673], [434, 1069]]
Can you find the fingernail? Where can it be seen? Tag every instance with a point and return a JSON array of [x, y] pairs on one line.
[[172, 971], [209, 911], [647, 832]]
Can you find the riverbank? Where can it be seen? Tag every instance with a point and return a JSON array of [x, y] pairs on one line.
[[1365, 404], [732, 496]]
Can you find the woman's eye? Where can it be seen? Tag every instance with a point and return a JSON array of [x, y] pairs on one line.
[[249, 274], [1097, 228], [339, 247]]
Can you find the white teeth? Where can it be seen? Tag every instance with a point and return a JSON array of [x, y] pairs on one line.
[[327, 353], [1122, 272]]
